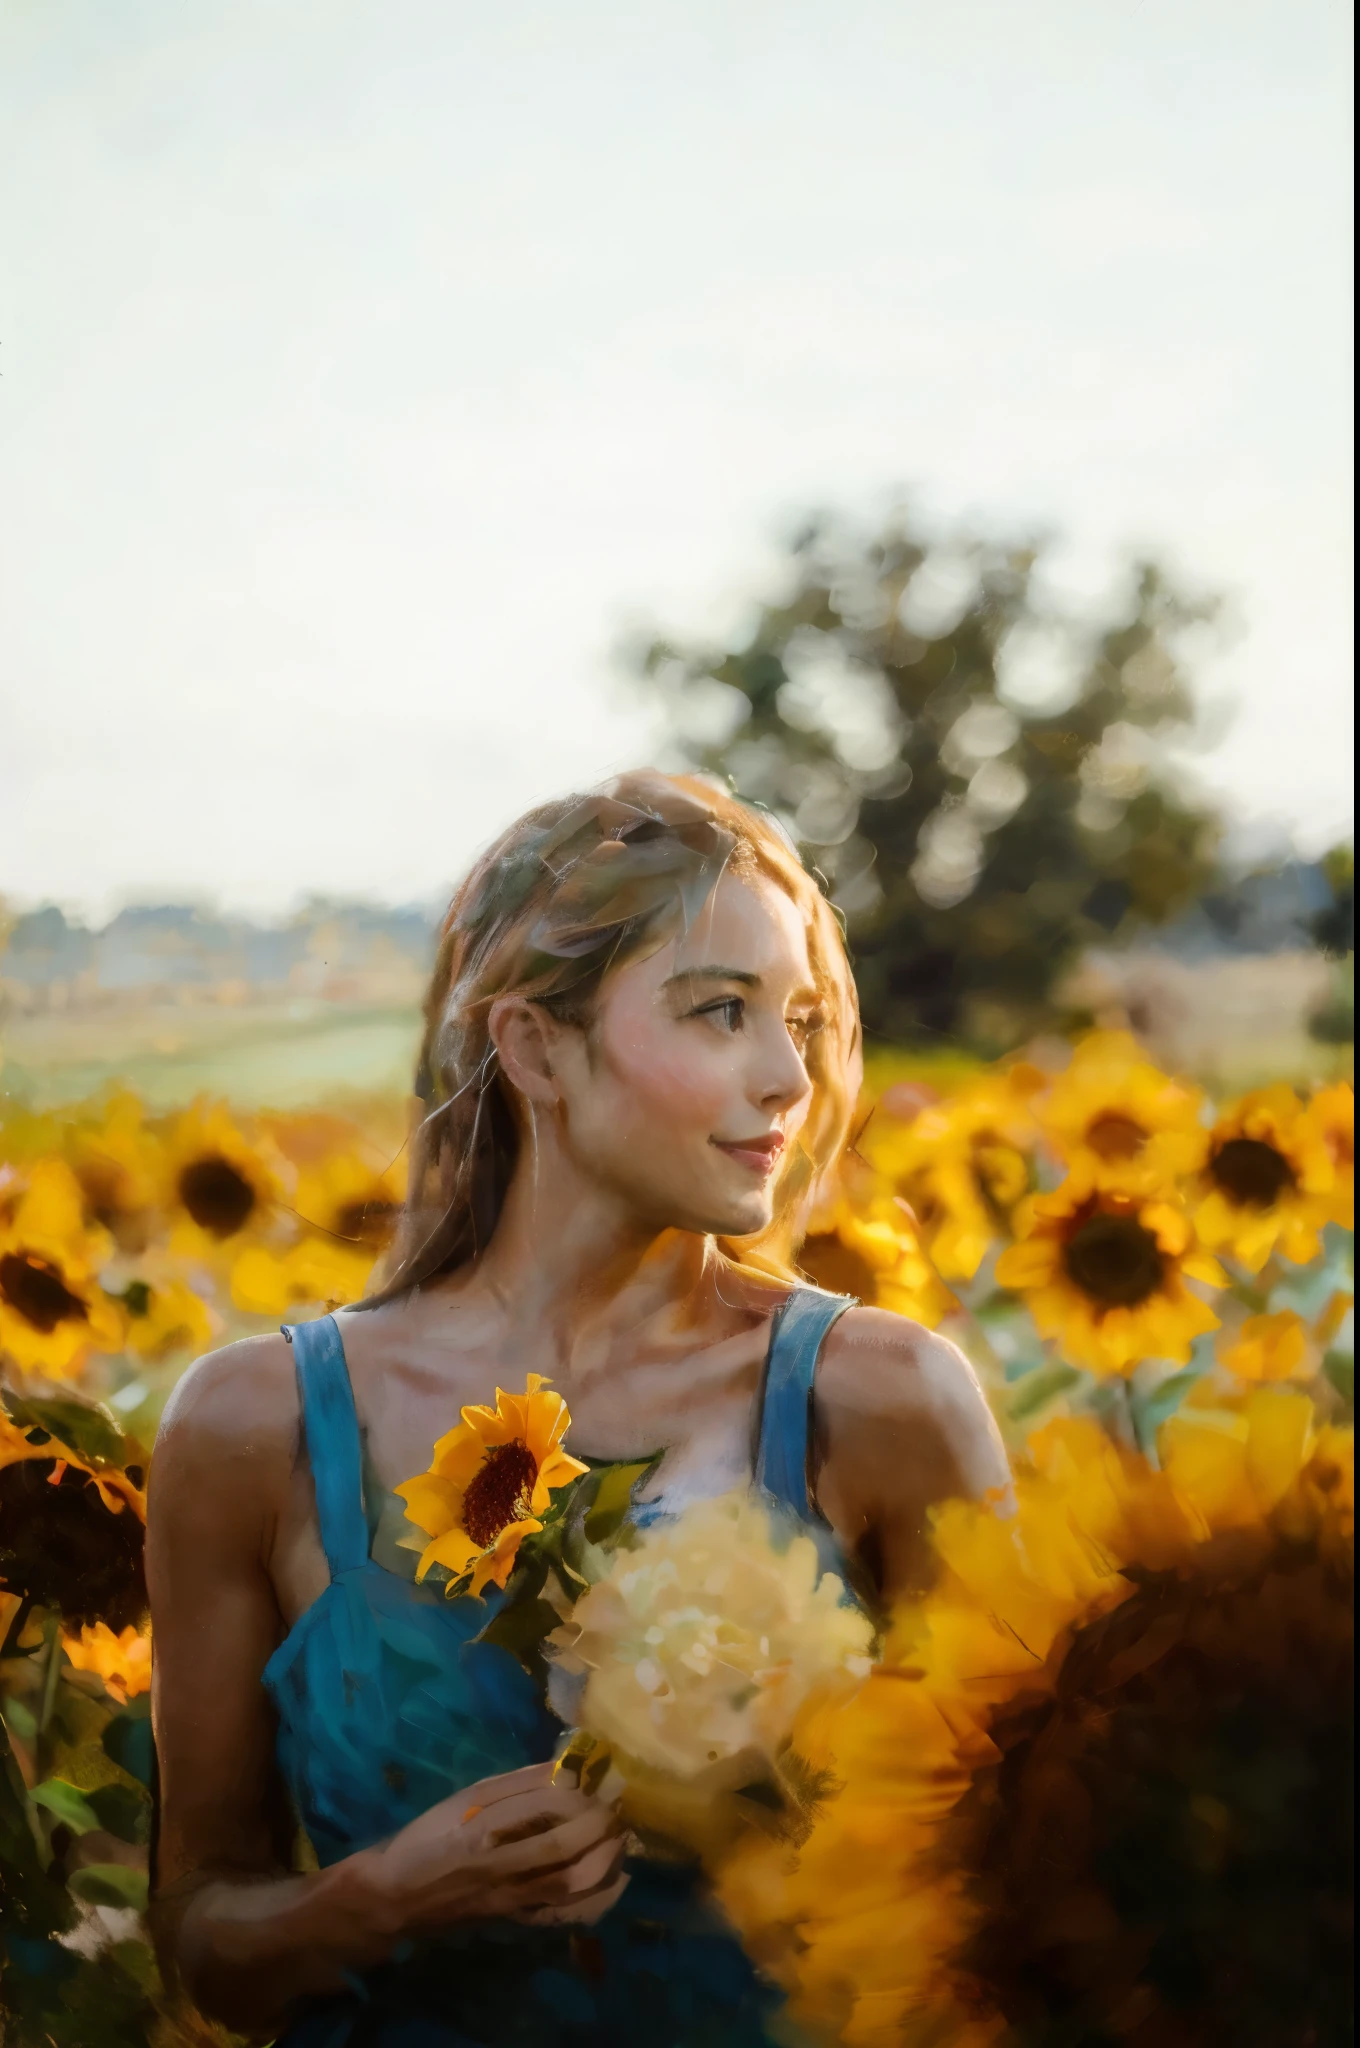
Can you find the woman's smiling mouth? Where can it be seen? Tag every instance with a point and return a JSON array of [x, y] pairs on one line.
[[759, 1154]]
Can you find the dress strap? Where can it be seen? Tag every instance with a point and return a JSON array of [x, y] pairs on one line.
[[797, 1331], [331, 1430]]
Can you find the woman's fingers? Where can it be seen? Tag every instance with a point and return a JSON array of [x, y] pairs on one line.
[[557, 1844], [508, 1785], [582, 1911], [579, 1886]]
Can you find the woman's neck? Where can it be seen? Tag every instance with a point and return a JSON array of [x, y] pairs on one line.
[[574, 1262]]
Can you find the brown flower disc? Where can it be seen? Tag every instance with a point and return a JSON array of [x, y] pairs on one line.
[[1164, 1855], [61, 1546]]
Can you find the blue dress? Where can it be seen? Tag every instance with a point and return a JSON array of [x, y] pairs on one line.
[[386, 1705]]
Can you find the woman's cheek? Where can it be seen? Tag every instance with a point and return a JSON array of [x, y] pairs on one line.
[[677, 1088]]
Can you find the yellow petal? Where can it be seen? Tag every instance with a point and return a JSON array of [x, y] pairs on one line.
[[495, 1565], [455, 1550], [433, 1502], [460, 1454]]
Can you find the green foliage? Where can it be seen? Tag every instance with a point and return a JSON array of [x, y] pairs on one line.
[[982, 780], [80, 1426], [75, 1819]]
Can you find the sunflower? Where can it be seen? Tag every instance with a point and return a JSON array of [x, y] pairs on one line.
[[345, 1196], [1266, 1347], [52, 1309], [219, 1186], [1103, 1265], [1114, 1103], [869, 1247], [347, 1208], [315, 1269], [962, 1165], [1331, 1113], [121, 1662], [489, 1482], [1091, 1791], [72, 1534], [163, 1317], [1270, 1179], [118, 1164]]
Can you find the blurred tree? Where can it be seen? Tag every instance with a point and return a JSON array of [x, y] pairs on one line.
[[983, 780], [1333, 931]]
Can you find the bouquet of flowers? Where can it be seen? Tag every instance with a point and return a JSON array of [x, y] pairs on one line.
[[679, 1655]]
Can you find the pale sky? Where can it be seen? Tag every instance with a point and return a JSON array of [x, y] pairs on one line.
[[366, 366]]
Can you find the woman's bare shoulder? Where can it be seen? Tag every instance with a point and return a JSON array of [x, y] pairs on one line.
[[881, 1366], [233, 1406]]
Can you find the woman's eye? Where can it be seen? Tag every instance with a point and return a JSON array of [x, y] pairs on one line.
[[727, 1014]]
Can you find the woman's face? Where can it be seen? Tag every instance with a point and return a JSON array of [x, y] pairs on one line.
[[690, 1082]]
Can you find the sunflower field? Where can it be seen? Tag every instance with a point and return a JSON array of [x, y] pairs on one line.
[[1095, 1786]]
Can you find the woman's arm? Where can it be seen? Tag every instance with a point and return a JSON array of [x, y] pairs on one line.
[[902, 1424], [247, 1938]]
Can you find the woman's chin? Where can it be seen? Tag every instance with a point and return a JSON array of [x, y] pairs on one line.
[[743, 1219]]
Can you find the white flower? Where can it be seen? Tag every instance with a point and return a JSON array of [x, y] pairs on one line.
[[699, 1645]]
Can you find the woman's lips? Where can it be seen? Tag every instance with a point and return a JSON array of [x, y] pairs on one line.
[[759, 1154]]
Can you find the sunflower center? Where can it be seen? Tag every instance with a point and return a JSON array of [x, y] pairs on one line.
[[1251, 1173], [217, 1195], [1112, 1136], [1114, 1260], [500, 1493], [35, 1289], [1169, 1837]]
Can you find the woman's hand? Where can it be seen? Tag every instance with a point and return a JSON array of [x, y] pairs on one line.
[[516, 1847]]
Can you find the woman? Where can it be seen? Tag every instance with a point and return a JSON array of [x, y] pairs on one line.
[[640, 1054]]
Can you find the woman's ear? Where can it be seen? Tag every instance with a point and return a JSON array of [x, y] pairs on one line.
[[524, 1036]]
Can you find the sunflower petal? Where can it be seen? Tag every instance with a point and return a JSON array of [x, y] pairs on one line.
[[433, 1503], [455, 1550]]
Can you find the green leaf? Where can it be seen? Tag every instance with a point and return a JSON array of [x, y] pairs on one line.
[[110, 1884], [21, 1719], [1339, 1367], [1150, 1411], [81, 1426], [520, 1628], [34, 1904], [66, 1804], [122, 1810], [127, 1741], [613, 1496], [1039, 1388]]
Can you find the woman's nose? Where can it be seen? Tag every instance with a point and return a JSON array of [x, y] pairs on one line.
[[783, 1078]]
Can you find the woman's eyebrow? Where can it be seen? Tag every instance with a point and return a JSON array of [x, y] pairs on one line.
[[740, 974]]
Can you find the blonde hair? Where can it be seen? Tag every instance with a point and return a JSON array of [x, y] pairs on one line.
[[572, 889]]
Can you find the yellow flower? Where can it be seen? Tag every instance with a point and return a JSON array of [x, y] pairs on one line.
[[316, 1269], [870, 1248], [343, 1195], [219, 1186], [962, 1165], [1266, 1347], [894, 1923], [1103, 1265], [702, 1641], [163, 1318], [347, 1209], [1331, 1113], [489, 1481], [1113, 1102], [118, 1164], [52, 1309], [122, 1662], [1270, 1180]]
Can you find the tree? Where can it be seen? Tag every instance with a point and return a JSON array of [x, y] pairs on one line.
[[983, 780]]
